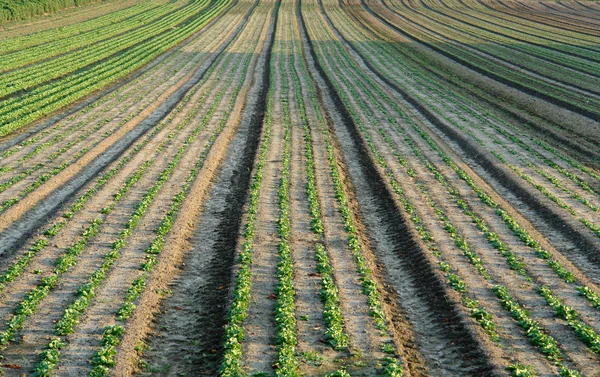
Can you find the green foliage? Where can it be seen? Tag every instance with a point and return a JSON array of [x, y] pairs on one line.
[[59, 82], [520, 370], [13, 10], [103, 359], [49, 359], [29, 304], [536, 335], [238, 311], [332, 312]]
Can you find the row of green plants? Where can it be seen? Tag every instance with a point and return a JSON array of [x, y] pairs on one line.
[[538, 338], [238, 310], [103, 359], [574, 66], [87, 291], [52, 157], [554, 27], [32, 299], [484, 318], [121, 94], [56, 128], [412, 67], [69, 258], [5, 204], [56, 94], [46, 176], [528, 179], [139, 95], [551, 178], [285, 308], [24, 41], [458, 240], [535, 333], [83, 136], [30, 76], [559, 269], [332, 313], [584, 331], [15, 10], [26, 57], [588, 223], [381, 55], [533, 37], [489, 67], [139, 284], [392, 366]]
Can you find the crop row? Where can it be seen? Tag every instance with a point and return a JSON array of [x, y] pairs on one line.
[[28, 40], [103, 359], [84, 136], [391, 366], [478, 312], [531, 19], [4, 205], [20, 111], [563, 40], [481, 64], [33, 75], [571, 67], [575, 179], [582, 183], [124, 91], [18, 268], [332, 313], [559, 269], [62, 46], [584, 331], [174, 62], [285, 319], [238, 310], [459, 240], [12, 10], [381, 55], [87, 292], [138, 285]]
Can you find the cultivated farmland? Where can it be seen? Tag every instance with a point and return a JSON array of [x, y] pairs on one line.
[[301, 188]]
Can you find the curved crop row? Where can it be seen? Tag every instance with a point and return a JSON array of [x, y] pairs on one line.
[[19, 111], [460, 241], [332, 313], [70, 257], [19, 266], [560, 270]]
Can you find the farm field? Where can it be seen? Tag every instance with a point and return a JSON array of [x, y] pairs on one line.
[[301, 188]]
